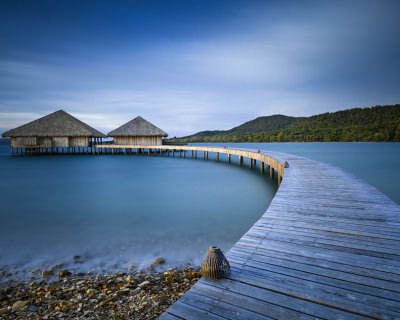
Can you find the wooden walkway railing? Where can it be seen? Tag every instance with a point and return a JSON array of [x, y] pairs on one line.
[[328, 247], [266, 162]]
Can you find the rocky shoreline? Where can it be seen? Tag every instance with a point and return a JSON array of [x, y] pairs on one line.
[[118, 296]]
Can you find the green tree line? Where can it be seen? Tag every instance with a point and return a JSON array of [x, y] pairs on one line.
[[379, 123]]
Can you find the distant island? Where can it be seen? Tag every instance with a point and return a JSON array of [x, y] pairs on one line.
[[379, 123]]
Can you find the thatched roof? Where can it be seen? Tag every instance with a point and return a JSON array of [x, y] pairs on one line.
[[56, 124], [137, 127]]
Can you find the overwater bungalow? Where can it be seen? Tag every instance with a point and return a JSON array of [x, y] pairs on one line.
[[58, 131], [138, 132]]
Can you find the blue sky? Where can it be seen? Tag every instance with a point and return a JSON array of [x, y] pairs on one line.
[[192, 65]]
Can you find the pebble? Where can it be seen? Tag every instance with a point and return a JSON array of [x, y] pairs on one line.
[[4, 310], [136, 295], [32, 309], [91, 293], [123, 292], [20, 305], [143, 284]]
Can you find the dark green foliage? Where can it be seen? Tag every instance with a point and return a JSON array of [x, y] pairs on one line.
[[264, 124], [380, 123]]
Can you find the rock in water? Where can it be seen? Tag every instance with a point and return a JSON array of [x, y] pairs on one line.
[[47, 273], [159, 261], [64, 274], [78, 259]]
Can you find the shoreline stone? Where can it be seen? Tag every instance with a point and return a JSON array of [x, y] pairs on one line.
[[131, 295]]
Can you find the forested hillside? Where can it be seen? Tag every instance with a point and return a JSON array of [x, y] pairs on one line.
[[379, 123]]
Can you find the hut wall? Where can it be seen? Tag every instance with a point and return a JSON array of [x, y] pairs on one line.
[[44, 142], [60, 142], [18, 142], [141, 141], [78, 141]]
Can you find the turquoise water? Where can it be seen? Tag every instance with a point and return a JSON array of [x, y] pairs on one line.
[[114, 211], [376, 163]]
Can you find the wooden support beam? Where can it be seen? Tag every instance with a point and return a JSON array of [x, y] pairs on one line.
[[217, 156], [240, 160], [271, 172], [262, 167], [229, 158], [251, 163]]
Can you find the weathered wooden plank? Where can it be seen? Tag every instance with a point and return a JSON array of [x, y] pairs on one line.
[[304, 290], [324, 235], [373, 263], [278, 298], [185, 311], [378, 296], [341, 229], [168, 316], [316, 267], [291, 253], [249, 303], [219, 307], [359, 249]]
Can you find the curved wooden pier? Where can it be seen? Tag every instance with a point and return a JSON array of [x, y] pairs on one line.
[[328, 247]]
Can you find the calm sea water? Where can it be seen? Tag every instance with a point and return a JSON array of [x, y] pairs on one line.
[[119, 210], [114, 211]]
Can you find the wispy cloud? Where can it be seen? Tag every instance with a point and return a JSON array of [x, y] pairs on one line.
[[264, 59]]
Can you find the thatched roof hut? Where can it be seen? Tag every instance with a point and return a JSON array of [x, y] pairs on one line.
[[137, 132], [58, 129]]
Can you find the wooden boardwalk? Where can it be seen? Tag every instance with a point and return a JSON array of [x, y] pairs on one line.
[[328, 247]]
